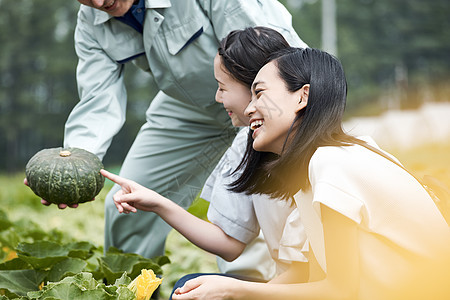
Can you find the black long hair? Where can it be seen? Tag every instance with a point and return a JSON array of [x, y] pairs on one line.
[[318, 124], [244, 52]]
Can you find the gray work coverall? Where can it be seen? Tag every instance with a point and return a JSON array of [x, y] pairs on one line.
[[186, 131]]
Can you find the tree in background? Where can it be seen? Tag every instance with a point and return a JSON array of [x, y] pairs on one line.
[[37, 81], [396, 51]]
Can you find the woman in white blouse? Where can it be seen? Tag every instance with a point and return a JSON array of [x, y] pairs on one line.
[[373, 230]]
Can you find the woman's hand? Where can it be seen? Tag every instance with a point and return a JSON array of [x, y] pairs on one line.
[[211, 287], [133, 196]]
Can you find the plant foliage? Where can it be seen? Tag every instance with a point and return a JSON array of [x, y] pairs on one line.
[[40, 265]]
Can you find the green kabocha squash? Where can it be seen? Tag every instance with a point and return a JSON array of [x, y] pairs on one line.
[[68, 176]]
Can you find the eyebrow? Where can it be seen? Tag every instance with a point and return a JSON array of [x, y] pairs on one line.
[[255, 84]]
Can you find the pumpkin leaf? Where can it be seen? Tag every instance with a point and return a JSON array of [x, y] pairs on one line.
[[41, 254], [82, 286], [123, 293], [15, 264], [83, 250], [31, 231], [8, 295], [145, 265], [5, 223], [161, 260], [66, 267], [21, 281], [123, 280], [75, 270], [45, 254], [41, 249], [114, 263], [9, 238], [68, 291]]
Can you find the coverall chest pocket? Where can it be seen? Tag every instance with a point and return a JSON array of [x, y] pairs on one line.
[[121, 42], [179, 37], [190, 49]]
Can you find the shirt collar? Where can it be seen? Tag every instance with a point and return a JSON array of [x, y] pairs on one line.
[[102, 17]]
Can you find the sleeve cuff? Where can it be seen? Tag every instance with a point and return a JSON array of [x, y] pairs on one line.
[[338, 200], [242, 234], [293, 243]]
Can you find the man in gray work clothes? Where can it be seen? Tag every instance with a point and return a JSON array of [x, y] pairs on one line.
[[186, 131]]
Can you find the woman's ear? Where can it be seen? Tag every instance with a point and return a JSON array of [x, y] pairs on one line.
[[303, 95]]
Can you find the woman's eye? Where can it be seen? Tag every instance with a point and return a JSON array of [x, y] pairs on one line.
[[258, 93]]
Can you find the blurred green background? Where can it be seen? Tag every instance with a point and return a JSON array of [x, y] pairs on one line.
[[396, 55]]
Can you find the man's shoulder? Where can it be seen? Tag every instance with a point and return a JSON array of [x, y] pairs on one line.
[[91, 15], [86, 13]]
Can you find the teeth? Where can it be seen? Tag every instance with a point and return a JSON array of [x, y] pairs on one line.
[[255, 124], [110, 4]]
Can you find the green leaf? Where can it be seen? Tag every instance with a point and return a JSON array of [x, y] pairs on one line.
[[161, 260], [5, 223], [31, 231], [11, 296], [147, 264], [84, 280], [40, 249], [21, 281], [83, 250], [42, 263], [69, 291], [113, 264], [15, 264], [67, 267], [83, 287], [123, 293], [123, 280], [9, 238], [112, 250], [45, 254]]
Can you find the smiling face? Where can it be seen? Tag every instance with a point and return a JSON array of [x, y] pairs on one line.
[[233, 94], [115, 8], [273, 109]]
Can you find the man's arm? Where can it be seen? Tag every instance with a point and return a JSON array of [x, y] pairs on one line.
[[236, 14], [101, 111]]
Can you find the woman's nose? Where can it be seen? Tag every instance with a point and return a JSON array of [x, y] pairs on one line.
[[218, 98], [250, 109]]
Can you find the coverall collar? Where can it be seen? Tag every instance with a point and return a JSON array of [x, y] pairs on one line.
[[102, 17]]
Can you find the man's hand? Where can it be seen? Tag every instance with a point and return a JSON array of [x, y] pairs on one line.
[[46, 203]]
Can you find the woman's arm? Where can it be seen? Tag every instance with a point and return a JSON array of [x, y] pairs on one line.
[[297, 272], [341, 282], [204, 234]]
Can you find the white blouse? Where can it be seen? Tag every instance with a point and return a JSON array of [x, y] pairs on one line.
[[243, 216], [404, 242]]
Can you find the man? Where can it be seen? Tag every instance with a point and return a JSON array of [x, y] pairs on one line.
[[186, 131]]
